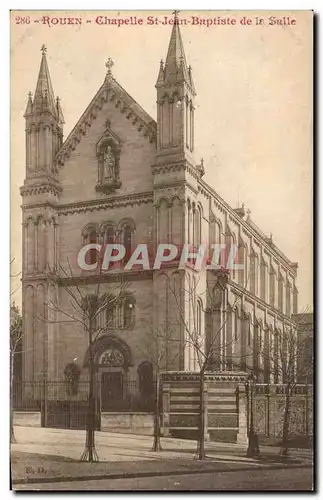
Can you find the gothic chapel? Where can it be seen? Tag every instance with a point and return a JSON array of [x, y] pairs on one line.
[[121, 173]]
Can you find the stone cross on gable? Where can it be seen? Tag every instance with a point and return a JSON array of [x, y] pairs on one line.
[[109, 65]]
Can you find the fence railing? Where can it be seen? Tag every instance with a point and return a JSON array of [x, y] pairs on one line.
[[280, 389], [129, 395]]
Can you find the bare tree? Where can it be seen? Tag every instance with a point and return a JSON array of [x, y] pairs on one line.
[[84, 308], [15, 349], [13, 277], [16, 334], [156, 346], [208, 350]]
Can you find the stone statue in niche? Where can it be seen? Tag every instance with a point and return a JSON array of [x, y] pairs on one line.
[[108, 167], [109, 164]]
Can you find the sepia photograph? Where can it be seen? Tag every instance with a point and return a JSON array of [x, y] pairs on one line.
[[161, 259]]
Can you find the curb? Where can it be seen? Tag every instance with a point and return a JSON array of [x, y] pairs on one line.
[[123, 475]]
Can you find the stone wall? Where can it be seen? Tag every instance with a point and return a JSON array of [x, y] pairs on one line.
[[225, 408], [27, 418], [128, 423]]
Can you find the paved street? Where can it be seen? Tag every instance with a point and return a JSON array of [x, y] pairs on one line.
[[49, 459], [268, 480]]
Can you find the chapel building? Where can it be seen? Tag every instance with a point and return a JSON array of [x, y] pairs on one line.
[[122, 176]]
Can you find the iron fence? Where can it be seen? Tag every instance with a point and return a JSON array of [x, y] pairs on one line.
[[280, 389], [130, 395]]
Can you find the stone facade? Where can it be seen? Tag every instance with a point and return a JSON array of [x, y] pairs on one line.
[[119, 174]]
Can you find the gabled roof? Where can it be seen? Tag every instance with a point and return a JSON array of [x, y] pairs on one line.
[[111, 90]]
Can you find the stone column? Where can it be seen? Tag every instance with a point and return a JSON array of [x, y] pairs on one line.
[[242, 436]]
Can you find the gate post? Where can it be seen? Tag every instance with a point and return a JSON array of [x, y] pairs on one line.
[[165, 408], [206, 412], [242, 436]]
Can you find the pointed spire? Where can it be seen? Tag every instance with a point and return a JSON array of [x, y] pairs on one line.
[[29, 107], [59, 111], [176, 69], [161, 74], [191, 79], [44, 94]]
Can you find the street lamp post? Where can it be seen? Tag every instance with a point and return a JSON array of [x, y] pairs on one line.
[[253, 446]]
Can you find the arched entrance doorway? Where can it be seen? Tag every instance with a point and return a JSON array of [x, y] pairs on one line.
[[112, 359], [111, 366]]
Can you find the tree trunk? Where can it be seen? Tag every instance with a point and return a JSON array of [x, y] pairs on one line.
[[201, 448], [284, 446], [156, 444], [90, 454], [12, 431]]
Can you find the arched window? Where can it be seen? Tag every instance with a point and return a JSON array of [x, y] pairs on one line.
[[272, 285], [120, 313], [288, 294], [280, 292], [110, 315], [246, 268], [199, 310], [256, 269], [218, 293], [198, 226], [295, 300], [249, 326], [236, 325], [263, 279], [90, 236], [109, 236], [127, 242], [276, 356], [267, 351], [128, 312], [230, 256], [241, 261]]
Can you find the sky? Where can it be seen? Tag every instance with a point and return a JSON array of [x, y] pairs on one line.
[[253, 119]]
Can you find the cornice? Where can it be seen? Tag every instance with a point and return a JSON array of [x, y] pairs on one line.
[[42, 188], [235, 288], [106, 277], [182, 166], [45, 204], [104, 203], [175, 184], [208, 376]]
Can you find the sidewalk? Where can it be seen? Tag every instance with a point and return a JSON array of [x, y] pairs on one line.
[[50, 455]]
